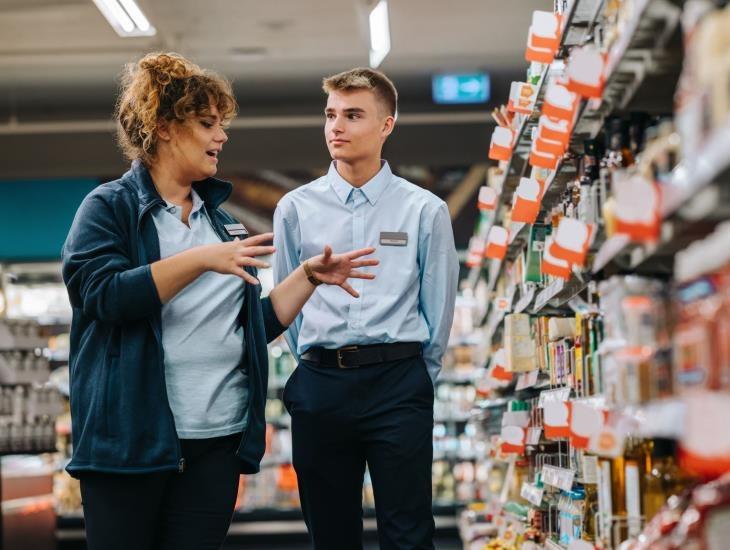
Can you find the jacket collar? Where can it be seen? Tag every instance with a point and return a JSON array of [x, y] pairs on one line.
[[214, 192]]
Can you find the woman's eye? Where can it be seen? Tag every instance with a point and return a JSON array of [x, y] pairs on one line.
[[206, 124]]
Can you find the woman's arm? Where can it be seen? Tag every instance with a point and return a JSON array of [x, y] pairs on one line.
[[289, 296], [173, 274]]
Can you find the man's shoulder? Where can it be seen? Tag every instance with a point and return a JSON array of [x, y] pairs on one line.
[[415, 193], [303, 192]]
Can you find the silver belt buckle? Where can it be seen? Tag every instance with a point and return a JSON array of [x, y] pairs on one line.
[[339, 357]]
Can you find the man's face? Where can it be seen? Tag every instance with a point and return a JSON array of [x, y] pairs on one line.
[[356, 125]]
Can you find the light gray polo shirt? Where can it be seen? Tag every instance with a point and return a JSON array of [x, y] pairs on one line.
[[201, 335]]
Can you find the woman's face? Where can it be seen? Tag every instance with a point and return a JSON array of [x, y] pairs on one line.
[[195, 144]]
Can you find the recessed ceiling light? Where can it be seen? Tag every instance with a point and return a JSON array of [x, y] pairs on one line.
[[379, 33], [125, 17]]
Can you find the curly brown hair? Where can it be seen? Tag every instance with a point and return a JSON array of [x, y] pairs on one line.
[[165, 86]]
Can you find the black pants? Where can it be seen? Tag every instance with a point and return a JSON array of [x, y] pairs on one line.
[[168, 510], [342, 419]]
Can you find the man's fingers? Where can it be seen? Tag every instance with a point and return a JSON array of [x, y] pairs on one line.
[[364, 263], [327, 253], [258, 239], [350, 290], [358, 253], [361, 275]]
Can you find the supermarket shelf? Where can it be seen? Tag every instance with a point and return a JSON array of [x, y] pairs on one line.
[[579, 20], [641, 51], [552, 545], [558, 293], [526, 299], [684, 205]]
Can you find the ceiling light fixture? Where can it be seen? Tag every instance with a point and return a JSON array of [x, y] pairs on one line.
[[125, 17], [379, 34]]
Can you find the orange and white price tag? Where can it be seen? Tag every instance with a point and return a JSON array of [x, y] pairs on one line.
[[551, 265], [571, 241], [552, 147], [475, 252], [560, 103], [526, 201], [541, 159], [586, 420], [556, 419], [501, 145], [554, 129], [513, 439], [585, 72], [487, 198], [545, 30], [536, 54], [497, 243], [522, 97], [638, 207], [498, 371]]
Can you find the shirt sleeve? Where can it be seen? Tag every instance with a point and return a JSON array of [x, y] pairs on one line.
[[287, 241], [439, 267], [97, 268]]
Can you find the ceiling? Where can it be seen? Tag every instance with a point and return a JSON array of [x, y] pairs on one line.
[[60, 59]]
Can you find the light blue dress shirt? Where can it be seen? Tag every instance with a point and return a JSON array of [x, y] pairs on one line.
[[412, 298], [201, 335]]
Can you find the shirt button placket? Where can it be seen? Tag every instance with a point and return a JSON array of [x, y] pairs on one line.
[[358, 239]]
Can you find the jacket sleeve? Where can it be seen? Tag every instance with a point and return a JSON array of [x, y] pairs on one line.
[[271, 322], [97, 267]]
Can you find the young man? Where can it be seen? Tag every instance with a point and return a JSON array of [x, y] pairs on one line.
[[363, 391]]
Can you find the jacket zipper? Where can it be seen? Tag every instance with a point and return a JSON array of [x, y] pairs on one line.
[[158, 338]]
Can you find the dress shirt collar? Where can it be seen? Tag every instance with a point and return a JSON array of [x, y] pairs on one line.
[[372, 189]]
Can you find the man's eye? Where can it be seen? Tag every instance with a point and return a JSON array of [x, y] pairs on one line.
[[206, 124], [353, 116]]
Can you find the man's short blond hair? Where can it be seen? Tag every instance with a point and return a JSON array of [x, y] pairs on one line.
[[365, 79]]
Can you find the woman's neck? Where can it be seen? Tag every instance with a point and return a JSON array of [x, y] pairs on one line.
[[170, 184]]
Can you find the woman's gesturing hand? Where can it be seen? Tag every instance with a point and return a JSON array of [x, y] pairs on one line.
[[231, 257], [335, 269]]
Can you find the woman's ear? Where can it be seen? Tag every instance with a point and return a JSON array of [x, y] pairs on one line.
[[163, 129]]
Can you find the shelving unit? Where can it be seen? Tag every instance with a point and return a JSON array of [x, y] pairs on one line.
[[641, 67]]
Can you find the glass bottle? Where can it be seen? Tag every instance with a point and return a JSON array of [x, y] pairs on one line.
[[664, 479]]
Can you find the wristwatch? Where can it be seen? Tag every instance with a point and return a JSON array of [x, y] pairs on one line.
[[311, 277]]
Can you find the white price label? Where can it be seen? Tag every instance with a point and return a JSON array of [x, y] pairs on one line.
[[531, 494], [559, 395], [561, 478], [526, 380]]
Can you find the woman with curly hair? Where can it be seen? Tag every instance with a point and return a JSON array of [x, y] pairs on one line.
[[168, 339]]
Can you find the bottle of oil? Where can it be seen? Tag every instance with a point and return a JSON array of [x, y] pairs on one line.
[[664, 479]]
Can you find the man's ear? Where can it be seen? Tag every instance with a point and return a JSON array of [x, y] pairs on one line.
[[163, 130], [388, 126]]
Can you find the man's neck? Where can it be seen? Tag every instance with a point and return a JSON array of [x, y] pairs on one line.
[[358, 173], [170, 185]]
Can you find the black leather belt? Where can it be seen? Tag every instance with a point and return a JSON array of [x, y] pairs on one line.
[[352, 357]]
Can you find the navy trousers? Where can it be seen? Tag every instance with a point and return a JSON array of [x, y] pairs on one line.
[[166, 510], [343, 419]]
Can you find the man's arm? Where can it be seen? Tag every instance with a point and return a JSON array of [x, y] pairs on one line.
[[439, 278], [286, 260]]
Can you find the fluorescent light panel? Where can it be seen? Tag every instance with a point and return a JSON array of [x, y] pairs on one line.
[[125, 17], [379, 34]]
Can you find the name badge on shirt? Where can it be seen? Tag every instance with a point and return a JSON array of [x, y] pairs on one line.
[[236, 229], [389, 238]]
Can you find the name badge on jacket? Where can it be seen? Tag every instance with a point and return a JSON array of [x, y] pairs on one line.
[[389, 238], [236, 229]]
